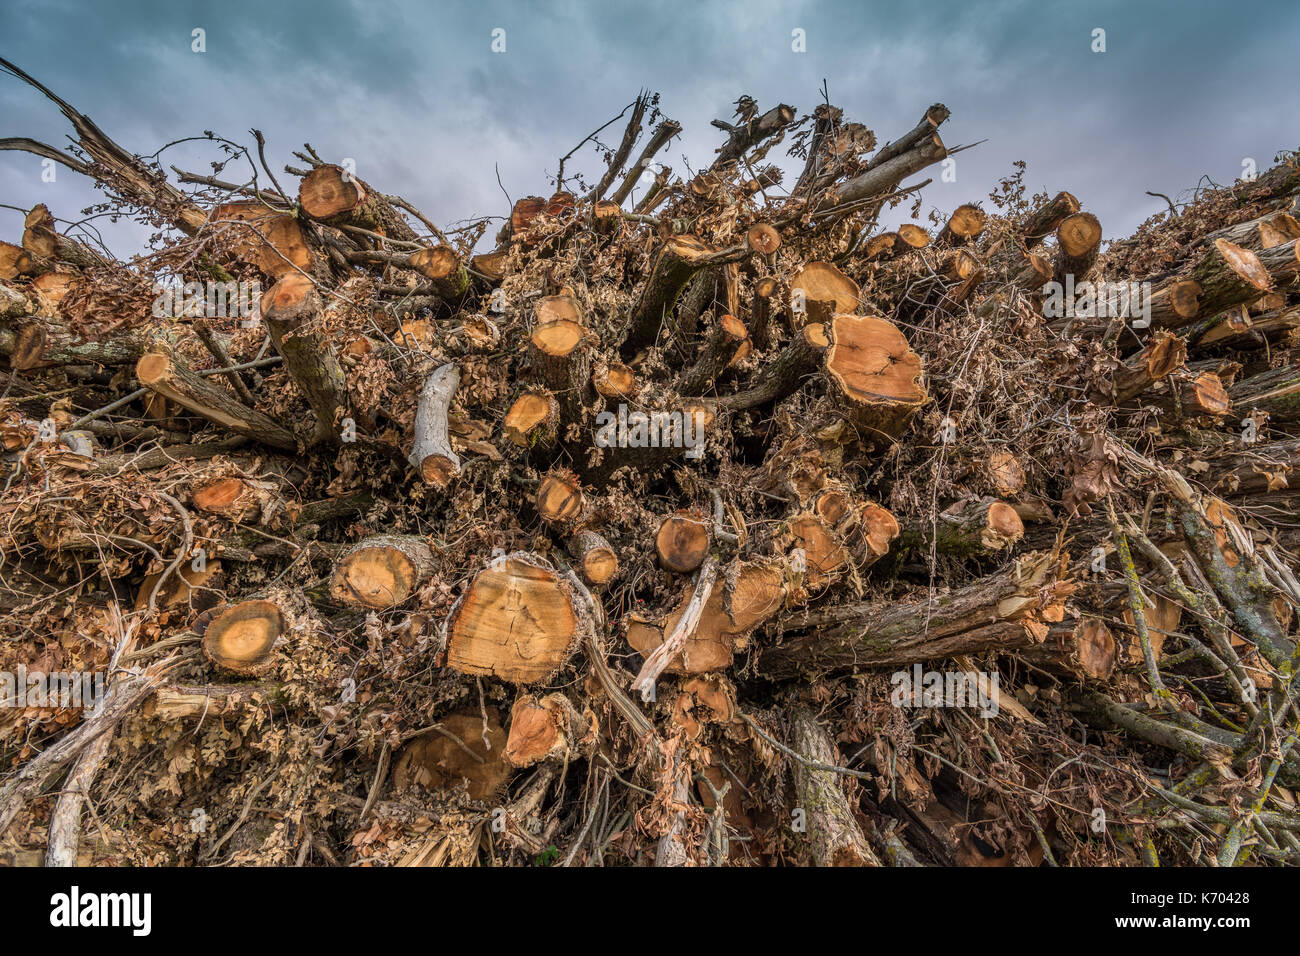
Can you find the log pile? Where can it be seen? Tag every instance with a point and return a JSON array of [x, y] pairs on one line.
[[681, 521]]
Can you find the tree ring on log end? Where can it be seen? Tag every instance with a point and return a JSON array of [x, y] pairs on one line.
[[875, 372], [517, 622], [240, 639]]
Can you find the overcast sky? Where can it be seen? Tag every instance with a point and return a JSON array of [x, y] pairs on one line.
[[414, 94]]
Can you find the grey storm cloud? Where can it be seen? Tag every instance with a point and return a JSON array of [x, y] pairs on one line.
[[413, 93]]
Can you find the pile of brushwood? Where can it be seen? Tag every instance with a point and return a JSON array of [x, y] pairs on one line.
[[701, 521]]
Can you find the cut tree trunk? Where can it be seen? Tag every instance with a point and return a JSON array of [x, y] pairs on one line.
[[746, 594], [683, 540], [547, 728], [561, 355], [518, 621], [336, 197], [163, 372], [1003, 611], [241, 639], [533, 420], [1085, 650], [973, 527], [1078, 241], [874, 375], [1276, 392], [238, 499], [1175, 303], [40, 342], [965, 223], [381, 571], [1192, 396], [1043, 221], [819, 292], [431, 451], [559, 498], [270, 240], [832, 833], [1228, 275], [674, 265], [596, 560], [43, 240], [465, 750], [292, 310], [442, 267], [720, 349], [1164, 355]]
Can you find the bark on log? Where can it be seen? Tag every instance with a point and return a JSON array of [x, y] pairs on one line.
[[1043, 221], [833, 835], [1228, 275], [431, 451], [40, 342], [878, 181], [674, 265], [1085, 650], [973, 527], [1276, 392], [720, 349], [292, 311], [1003, 611], [336, 197], [381, 571], [783, 375], [163, 372], [748, 135]]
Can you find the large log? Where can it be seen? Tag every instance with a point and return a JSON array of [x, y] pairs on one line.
[[518, 621], [241, 639], [561, 354], [335, 196], [833, 835], [1276, 392], [673, 266], [1003, 611], [874, 375]]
